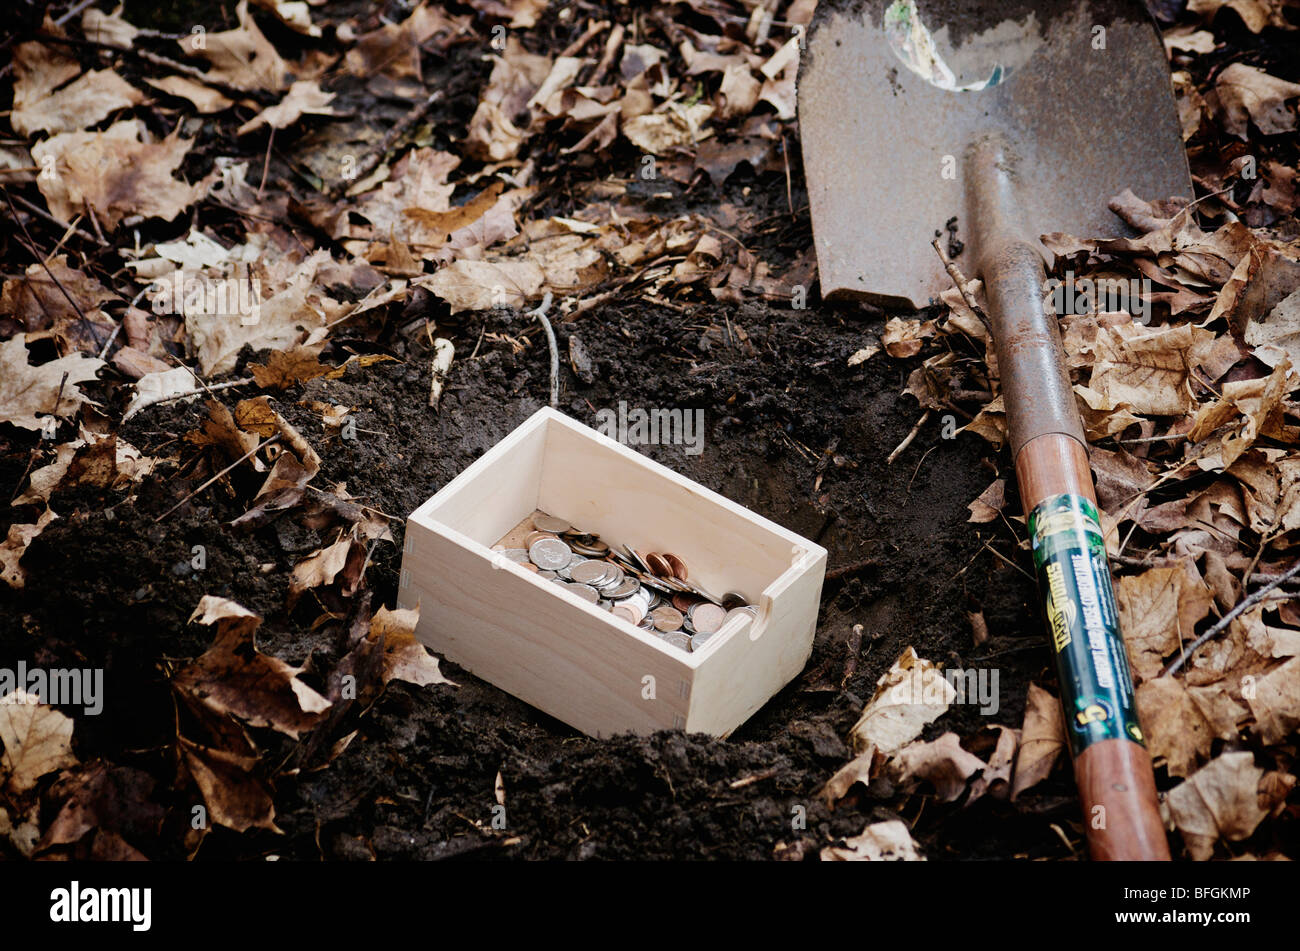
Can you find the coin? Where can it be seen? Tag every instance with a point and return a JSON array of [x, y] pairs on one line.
[[591, 572], [699, 640], [625, 613], [536, 537], [584, 591], [747, 611], [516, 554], [677, 639], [625, 589], [550, 553], [666, 618], [676, 565], [683, 602], [548, 523], [658, 566], [707, 617], [733, 599]]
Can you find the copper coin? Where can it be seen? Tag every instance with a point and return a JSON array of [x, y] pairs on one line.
[[684, 602], [658, 565], [707, 617], [536, 537], [667, 619], [626, 614], [677, 566]]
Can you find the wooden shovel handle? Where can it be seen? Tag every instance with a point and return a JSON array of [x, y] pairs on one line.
[[1116, 785]]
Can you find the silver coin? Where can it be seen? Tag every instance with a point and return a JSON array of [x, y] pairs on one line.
[[625, 589], [519, 555], [549, 523], [550, 553], [632, 607], [707, 617], [548, 575], [748, 611], [734, 599], [699, 640], [584, 591], [677, 639], [613, 576], [591, 572]]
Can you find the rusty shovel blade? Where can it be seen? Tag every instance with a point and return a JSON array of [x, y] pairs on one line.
[[893, 93]]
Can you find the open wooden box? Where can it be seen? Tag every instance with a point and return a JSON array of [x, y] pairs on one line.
[[575, 661]]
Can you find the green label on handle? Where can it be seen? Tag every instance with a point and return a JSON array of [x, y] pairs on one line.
[[1083, 622]]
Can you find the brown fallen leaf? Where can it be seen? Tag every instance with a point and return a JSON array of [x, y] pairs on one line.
[[888, 841], [405, 658], [1159, 610], [27, 390], [242, 58], [480, 285], [942, 762], [1247, 93], [80, 104], [1042, 740], [120, 173], [232, 678], [1218, 801], [204, 98], [1177, 733], [103, 808], [234, 796], [37, 740], [911, 694], [285, 368], [990, 503], [856, 770], [341, 558], [15, 545], [659, 132], [1275, 702], [305, 97]]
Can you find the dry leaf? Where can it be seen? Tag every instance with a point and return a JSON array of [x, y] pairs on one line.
[[941, 762], [405, 658], [1219, 801], [27, 390], [888, 841], [242, 58], [37, 740], [911, 694], [480, 285], [1042, 740], [1248, 93], [1159, 610], [304, 97], [120, 173]]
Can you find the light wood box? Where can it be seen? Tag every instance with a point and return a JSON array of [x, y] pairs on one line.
[[573, 660]]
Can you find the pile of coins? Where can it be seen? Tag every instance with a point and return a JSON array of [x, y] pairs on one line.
[[651, 591]]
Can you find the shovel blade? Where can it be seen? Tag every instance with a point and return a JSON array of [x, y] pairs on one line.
[[892, 93]]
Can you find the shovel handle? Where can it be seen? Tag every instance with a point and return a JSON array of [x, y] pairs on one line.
[[1112, 766]]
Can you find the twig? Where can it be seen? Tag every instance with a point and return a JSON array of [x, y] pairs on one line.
[[959, 279], [250, 452], [907, 440], [196, 392], [66, 226], [540, 314], [371, 161], [1245, 605]]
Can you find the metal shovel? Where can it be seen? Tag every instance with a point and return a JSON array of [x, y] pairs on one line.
[[1019, 118]]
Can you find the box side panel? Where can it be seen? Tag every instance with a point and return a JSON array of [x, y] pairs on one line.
[[520, 633], [492, 495], [744, 672], [607, 489]]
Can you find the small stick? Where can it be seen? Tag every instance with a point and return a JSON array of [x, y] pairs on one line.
[[907, 441], [66, 226], [540, 314], [1223, 622], [959, 279], [753, 778], [250, 452], [855, 648], [372, 160], [594, 28]]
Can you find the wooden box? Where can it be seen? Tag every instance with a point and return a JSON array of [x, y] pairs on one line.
[[569, 658]]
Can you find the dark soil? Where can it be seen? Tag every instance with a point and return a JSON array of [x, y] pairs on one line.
[[792, 433]]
